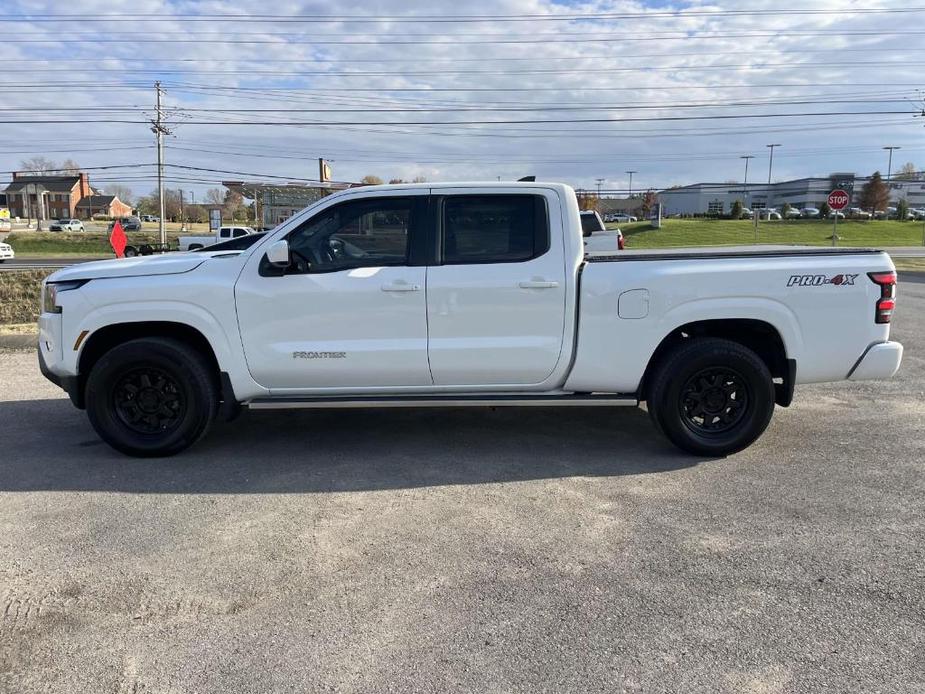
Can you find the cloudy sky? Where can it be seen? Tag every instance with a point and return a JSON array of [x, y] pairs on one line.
[[572, 91]]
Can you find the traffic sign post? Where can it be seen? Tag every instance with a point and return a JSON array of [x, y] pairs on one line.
[[837, 201]]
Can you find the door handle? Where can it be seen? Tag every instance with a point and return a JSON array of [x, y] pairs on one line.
[[538, 284], [401, 287]]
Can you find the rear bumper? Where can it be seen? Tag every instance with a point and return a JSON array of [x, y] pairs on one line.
[[881, 360]]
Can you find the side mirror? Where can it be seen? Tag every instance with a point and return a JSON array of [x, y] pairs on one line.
[[278, 254]]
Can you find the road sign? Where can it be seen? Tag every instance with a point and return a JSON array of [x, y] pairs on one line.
[[838, 199], [118, 240]]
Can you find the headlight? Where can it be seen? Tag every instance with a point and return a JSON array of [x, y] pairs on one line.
[[50, 292]]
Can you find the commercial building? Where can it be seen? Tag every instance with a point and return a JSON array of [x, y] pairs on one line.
[[718, 198], [277, 202]]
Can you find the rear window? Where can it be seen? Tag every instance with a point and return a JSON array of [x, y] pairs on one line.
[[494, 228], [591, 222]]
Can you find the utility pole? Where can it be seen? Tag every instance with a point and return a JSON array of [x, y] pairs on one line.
[[631, 181], [767, 204], [600, 182], [159, 130], [182, 216]]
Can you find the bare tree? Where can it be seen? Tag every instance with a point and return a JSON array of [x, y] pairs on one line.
[[371, 181], [69, 166], [214, 196], [38, 165], [908, 172], [419, 179], [124, 193]]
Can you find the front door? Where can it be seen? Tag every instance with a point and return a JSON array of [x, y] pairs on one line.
[[349, 312], [496, 301]]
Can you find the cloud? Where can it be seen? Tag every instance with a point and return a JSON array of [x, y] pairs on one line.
[[641, 64]]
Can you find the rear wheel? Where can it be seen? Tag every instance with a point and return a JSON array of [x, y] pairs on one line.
[[151, 397], [712, 397]]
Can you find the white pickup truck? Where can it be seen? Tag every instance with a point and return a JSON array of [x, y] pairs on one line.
[[459, 295], [192, 243]]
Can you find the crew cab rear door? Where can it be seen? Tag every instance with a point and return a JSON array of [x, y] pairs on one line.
[[496, 298]]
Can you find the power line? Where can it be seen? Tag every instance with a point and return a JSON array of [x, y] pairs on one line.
[[442, 19]]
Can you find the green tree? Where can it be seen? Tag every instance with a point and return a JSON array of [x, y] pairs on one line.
[[875, 196], [785, 210], [902, 209], [736, 211], [825, 210]]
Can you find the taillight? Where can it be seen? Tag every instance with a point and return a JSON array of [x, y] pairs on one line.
[[887, 301]]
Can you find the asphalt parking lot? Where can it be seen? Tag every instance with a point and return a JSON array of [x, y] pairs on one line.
[[469, 550]]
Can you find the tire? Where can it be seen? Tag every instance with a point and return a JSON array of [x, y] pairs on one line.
[[712, 397], [151, 397], [130, 252]]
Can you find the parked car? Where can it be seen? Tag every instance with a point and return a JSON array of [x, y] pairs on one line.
[[809, 212], [6, 252], [128, 223], [5, 224], [771, 214], [66, 225], [149, 218], [193, 243], [859, 213], [329, 310], [598, 239], [625, 218], [836, 213], [792, 212]]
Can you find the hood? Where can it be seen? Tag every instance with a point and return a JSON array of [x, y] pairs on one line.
[[142, 266]]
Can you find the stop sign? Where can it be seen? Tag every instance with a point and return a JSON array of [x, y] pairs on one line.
[[838, 200]]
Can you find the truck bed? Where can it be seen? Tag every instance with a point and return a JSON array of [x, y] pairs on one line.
[[714, 253]]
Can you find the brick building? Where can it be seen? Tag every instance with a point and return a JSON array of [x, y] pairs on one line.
[[108, 205], [46, 197]]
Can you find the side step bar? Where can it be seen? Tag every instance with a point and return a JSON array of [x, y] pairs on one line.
[[588, 400]]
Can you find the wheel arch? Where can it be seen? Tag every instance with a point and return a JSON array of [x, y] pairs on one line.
[[103, 339], [760, 336]]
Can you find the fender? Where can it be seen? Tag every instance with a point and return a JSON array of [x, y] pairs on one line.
[[194, 316], [625, 347]]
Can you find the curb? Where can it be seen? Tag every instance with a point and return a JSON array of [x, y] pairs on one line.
[[25, 341]]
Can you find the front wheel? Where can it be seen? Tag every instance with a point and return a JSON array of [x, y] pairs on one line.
[[712, 397], [151, 397]]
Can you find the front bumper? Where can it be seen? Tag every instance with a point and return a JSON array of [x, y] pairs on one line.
[[880, 361], [70, 384]]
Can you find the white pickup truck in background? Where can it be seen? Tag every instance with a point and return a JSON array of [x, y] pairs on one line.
[[460, 295], [192, 243]]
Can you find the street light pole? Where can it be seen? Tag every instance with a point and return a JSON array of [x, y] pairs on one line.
[[599, 182], [631, 181], [746, 157], [889, 166], [767, 204]]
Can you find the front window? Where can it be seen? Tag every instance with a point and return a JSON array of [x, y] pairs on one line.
[[364, 233]]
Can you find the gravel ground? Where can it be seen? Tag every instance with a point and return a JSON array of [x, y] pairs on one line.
[[470, 550]]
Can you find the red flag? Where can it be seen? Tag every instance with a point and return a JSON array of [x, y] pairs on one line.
[[117, 239]]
